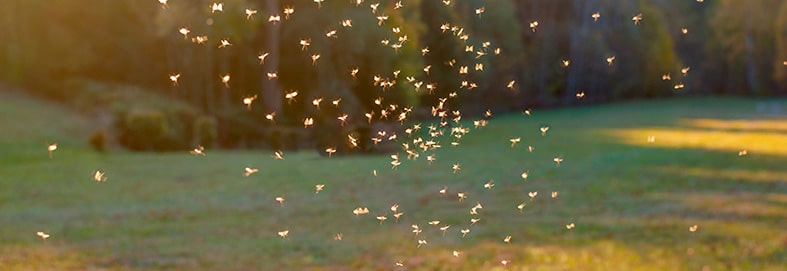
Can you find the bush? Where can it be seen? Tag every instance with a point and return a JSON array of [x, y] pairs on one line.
[[144, 120], [238, 128], [98, 140], [205, 131], [143, 129]]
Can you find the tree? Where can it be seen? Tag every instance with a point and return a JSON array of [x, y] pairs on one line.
[[746, 40], [443, 47], [780, 65], [271, 92]]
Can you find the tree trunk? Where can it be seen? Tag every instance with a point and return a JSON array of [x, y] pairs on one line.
[[541, 74], [12, 43], [577, 49], [207, 75], [751, 66], [271, 93]]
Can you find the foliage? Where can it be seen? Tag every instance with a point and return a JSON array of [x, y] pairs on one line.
[[143, 129], [206, 131], [240, 128], [142, 119], [653, 56], [98, 140], [494, 29], [780, 33], [747, 43]]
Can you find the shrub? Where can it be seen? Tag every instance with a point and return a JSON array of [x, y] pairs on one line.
[[143, 129], [205, 131], [275, 140], [98, 140], [237, 127], [143, 120]]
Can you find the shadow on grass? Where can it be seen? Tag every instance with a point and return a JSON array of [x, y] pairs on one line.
[[634, 217], [639, 199], [632, 203]]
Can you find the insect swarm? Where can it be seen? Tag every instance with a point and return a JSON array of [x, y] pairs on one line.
[[445, 78]]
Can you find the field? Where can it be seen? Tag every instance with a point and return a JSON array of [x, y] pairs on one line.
[[657, 185]]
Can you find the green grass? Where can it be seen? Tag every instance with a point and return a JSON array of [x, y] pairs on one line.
[[632, 201]]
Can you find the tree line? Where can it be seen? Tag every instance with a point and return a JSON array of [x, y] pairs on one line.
[[245, 65]]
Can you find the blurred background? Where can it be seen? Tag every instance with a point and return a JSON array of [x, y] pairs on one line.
[[643, 167], [170, 75]]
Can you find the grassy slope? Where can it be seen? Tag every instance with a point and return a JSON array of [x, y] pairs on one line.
[[632, 201]]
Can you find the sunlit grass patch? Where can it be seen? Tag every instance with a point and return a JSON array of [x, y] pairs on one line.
[[602, 255], [728, 174], [762, 125], [732, 141], [42, 256]]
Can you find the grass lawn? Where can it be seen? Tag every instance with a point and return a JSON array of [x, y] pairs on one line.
[[634, 178]]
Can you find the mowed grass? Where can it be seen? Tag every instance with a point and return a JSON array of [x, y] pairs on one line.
[[632, 201]]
